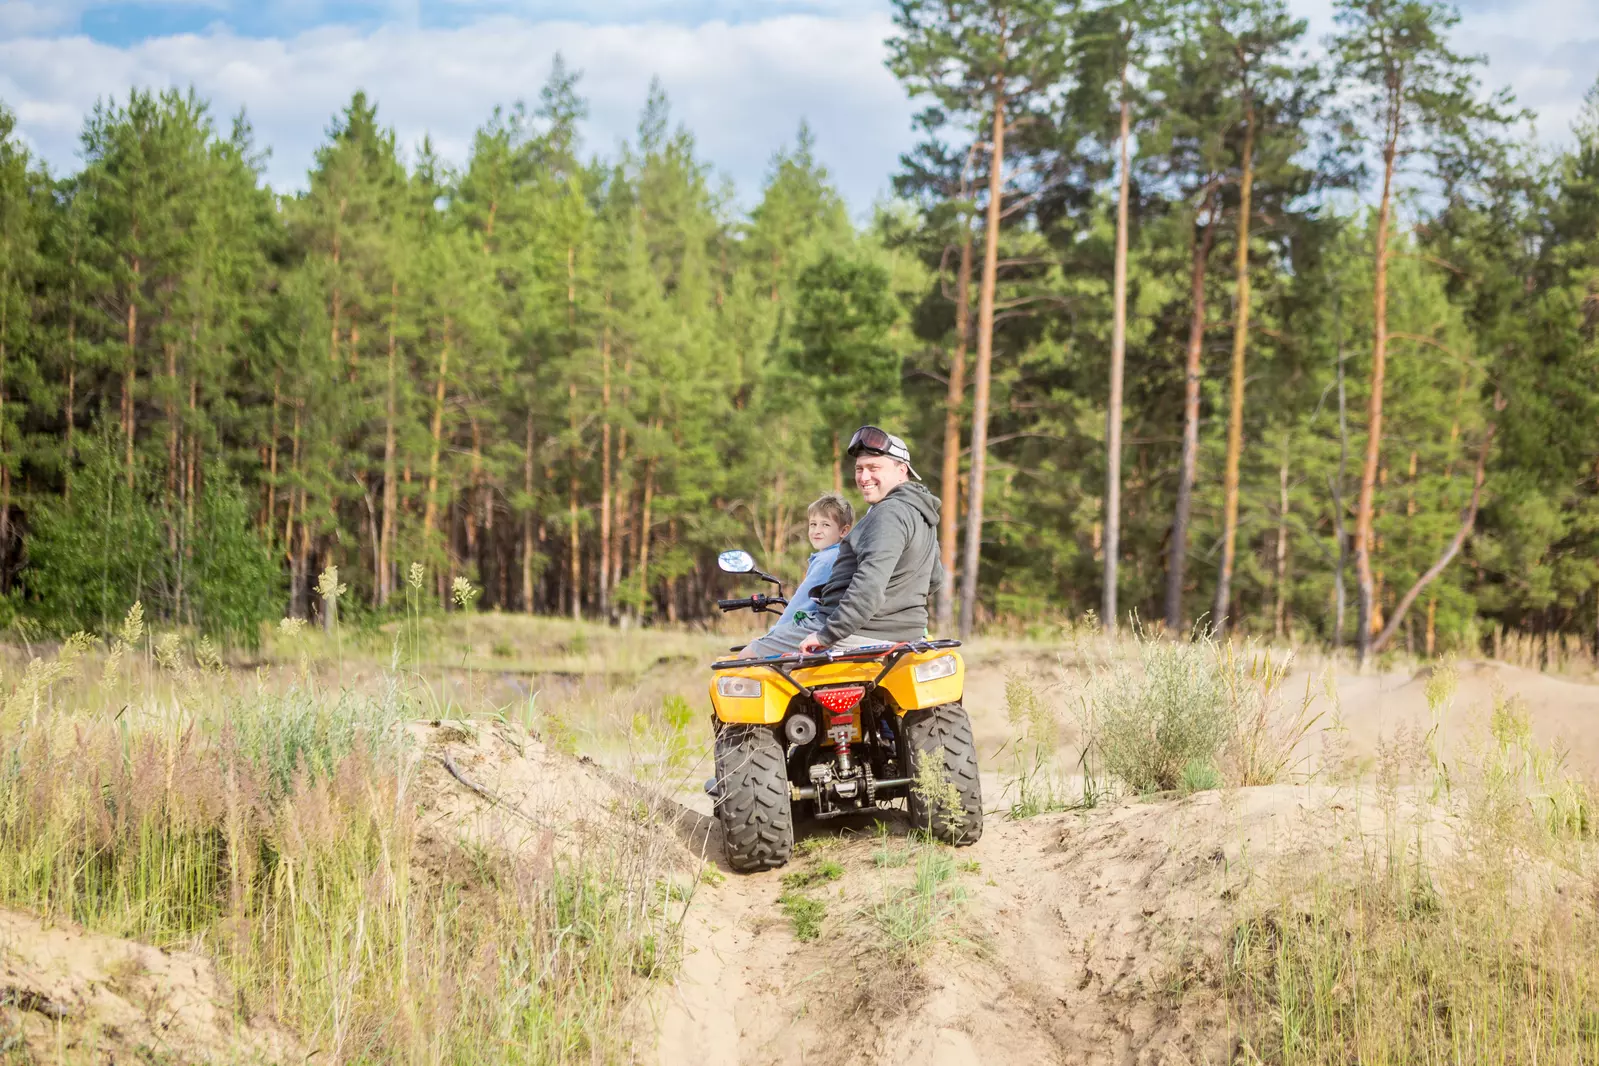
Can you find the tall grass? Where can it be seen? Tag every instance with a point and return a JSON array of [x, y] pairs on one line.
[[144, 793], [1467, 931]]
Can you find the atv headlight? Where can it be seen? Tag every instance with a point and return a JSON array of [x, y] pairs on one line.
[[933, 669], [738, 688]]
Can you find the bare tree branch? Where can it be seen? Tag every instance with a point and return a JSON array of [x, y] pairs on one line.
[[1467, 521]]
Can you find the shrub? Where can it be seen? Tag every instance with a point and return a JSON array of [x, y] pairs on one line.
[[1150, 723]]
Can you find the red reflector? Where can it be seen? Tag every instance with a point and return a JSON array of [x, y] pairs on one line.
[[840, 699]]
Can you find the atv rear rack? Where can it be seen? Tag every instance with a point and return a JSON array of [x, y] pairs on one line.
[[891, 654]]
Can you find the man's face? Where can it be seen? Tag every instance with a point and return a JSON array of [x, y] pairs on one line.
[[878, 475]]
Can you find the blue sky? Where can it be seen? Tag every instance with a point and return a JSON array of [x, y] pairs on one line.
[[741, 74]]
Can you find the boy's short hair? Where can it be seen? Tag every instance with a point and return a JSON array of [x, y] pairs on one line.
[[832, 505]]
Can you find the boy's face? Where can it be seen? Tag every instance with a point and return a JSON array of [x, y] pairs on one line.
[[825, 531]]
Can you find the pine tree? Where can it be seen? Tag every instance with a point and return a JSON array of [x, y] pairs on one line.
[[1420, 99], [992, 63]]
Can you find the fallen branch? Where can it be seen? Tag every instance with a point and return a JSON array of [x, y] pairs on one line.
[[27, 1000], [1467, 522], [483, 793]]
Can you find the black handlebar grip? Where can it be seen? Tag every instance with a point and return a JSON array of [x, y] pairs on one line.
[[732, 605]]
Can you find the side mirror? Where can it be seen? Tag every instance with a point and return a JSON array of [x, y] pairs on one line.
[[736, 562]]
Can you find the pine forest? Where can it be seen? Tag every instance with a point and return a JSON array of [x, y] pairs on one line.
[[1190, 320]]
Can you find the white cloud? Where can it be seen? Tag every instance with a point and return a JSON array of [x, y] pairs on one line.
[[741, 86], [19, 18], [1545, 51], [742, 89]]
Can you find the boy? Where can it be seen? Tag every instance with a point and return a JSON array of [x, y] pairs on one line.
[[828, 519]]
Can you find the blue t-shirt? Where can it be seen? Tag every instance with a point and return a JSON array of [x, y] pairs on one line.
[[802, 604]]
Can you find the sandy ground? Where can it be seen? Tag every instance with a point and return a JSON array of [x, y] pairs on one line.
[[68, 995], [1080, 938], [1373, 706]]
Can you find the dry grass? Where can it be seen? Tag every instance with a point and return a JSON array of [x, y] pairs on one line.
[[1554, 653], [271, 822], [1468, 931]]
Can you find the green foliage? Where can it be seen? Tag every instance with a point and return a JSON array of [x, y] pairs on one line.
[[818, 873], [107, 545], [1152, 723], [1199, 776], [912, 918], [571, 383], [843, 313], [806, 912]]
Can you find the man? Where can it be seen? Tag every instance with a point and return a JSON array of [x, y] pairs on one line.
[[886, 567]]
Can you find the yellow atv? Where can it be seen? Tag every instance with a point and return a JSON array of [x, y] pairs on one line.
[[834, 733]]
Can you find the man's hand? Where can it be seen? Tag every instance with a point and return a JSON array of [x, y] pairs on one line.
[[811, 645]]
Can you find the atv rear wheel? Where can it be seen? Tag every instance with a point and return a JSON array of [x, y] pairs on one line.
[[753, 798], [943, 736]]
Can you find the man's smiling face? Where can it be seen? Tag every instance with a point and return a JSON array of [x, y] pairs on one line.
[[878, 475]]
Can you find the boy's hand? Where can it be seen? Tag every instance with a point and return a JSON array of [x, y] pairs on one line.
[[811, 645]]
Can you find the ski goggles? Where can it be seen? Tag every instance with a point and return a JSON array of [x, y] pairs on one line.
[[874, 441]]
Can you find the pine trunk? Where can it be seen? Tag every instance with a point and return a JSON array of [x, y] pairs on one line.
[[1187, 470], [172, 421], [1235, 409], [470, 498], [949, 484], [985, 358], [430, 505], [528, 531], [623, 517], [1279, 613], [605, 469], [1118, 353], [574, 543], [296, 603], [644, 533], [391, 485], [1365, 506]]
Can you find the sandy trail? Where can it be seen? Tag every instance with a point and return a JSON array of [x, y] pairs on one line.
[[1070, 945], [1083, 938], [71, 995]]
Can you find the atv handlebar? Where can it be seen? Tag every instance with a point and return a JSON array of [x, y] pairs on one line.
[[753, 603]]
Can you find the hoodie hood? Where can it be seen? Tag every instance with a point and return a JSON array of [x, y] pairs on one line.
[[915, 495]]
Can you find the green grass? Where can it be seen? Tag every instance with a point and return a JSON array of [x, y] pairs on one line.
[[911, 918], [805, 912], [819, 873]]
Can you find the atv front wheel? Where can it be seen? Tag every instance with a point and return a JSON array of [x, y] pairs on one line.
[[753, 798], [943, 736]]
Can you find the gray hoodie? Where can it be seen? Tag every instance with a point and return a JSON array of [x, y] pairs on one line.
[[886, 568]]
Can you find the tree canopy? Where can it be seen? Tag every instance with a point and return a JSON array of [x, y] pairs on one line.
[[573, 378]]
